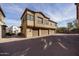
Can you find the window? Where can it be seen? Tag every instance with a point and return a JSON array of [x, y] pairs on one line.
[[40, 20], [47, 22], [0, 19], [51, 24], [30, 17]]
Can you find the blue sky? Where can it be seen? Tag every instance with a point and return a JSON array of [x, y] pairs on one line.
[[62, 13]]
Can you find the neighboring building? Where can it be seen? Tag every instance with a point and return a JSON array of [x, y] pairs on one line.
[[7, 29], [36, 24], [14, 29], [72, 25], [77, 12], [2, 24]]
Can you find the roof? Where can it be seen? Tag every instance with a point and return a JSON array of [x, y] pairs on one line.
[[36, 12], [33, 12], [42, 14], [2, 11], [25, 12]]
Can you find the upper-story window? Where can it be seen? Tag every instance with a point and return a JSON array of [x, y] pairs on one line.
[[55, 24], [51, 24], [30, 17], [47, 23], [40, 20], [0, 19]]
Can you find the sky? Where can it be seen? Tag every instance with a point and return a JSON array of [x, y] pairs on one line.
[[62, 13]]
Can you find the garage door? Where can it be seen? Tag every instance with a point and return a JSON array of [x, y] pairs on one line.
[[35, 32], [51, 31], [44, 32]]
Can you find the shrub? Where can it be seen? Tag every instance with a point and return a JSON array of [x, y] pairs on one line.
[[8, 34]]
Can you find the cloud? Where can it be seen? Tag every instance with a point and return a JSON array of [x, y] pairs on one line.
[[11, 22], [13, 8], [60, 12], [64, 22], [55, 11]]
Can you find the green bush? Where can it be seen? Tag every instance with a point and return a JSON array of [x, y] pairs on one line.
[[8, 34]]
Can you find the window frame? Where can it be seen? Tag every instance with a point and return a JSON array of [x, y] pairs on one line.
[[30, 17], [40, 20]]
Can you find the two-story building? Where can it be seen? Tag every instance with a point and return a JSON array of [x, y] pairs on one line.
[[36, 24], [2, 24]]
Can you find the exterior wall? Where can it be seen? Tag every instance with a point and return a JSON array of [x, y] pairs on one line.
[[29, 32], [35, 32], [1, 17], [30, 22], [23, 27], [44, 32], [33, 28], [38, 24], [52, 25], [3, 31], [51, 32], [0, 32]]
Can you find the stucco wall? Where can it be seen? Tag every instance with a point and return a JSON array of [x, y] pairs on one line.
[[44, 32], [29, 32], [1, 23], [35, 32], [51, 32], [0, 31]]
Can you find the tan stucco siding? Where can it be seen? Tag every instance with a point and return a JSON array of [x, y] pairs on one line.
[[28, 12], [30, 23], [36, 24], [0, 32], [1, 17], [29, 32], [35, 32], [44, 32], [51, 32], [23, 29]]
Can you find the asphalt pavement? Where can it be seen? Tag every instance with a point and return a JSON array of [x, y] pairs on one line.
[[53, 45]]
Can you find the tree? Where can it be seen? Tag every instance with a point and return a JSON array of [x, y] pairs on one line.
[[62, 30]]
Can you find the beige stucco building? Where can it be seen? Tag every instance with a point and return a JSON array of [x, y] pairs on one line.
[[36, 24], [2, 24]]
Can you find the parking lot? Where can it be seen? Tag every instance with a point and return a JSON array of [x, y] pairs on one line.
[[53, 45]]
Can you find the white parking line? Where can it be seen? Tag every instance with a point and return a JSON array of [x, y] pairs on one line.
[[62, 46]]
